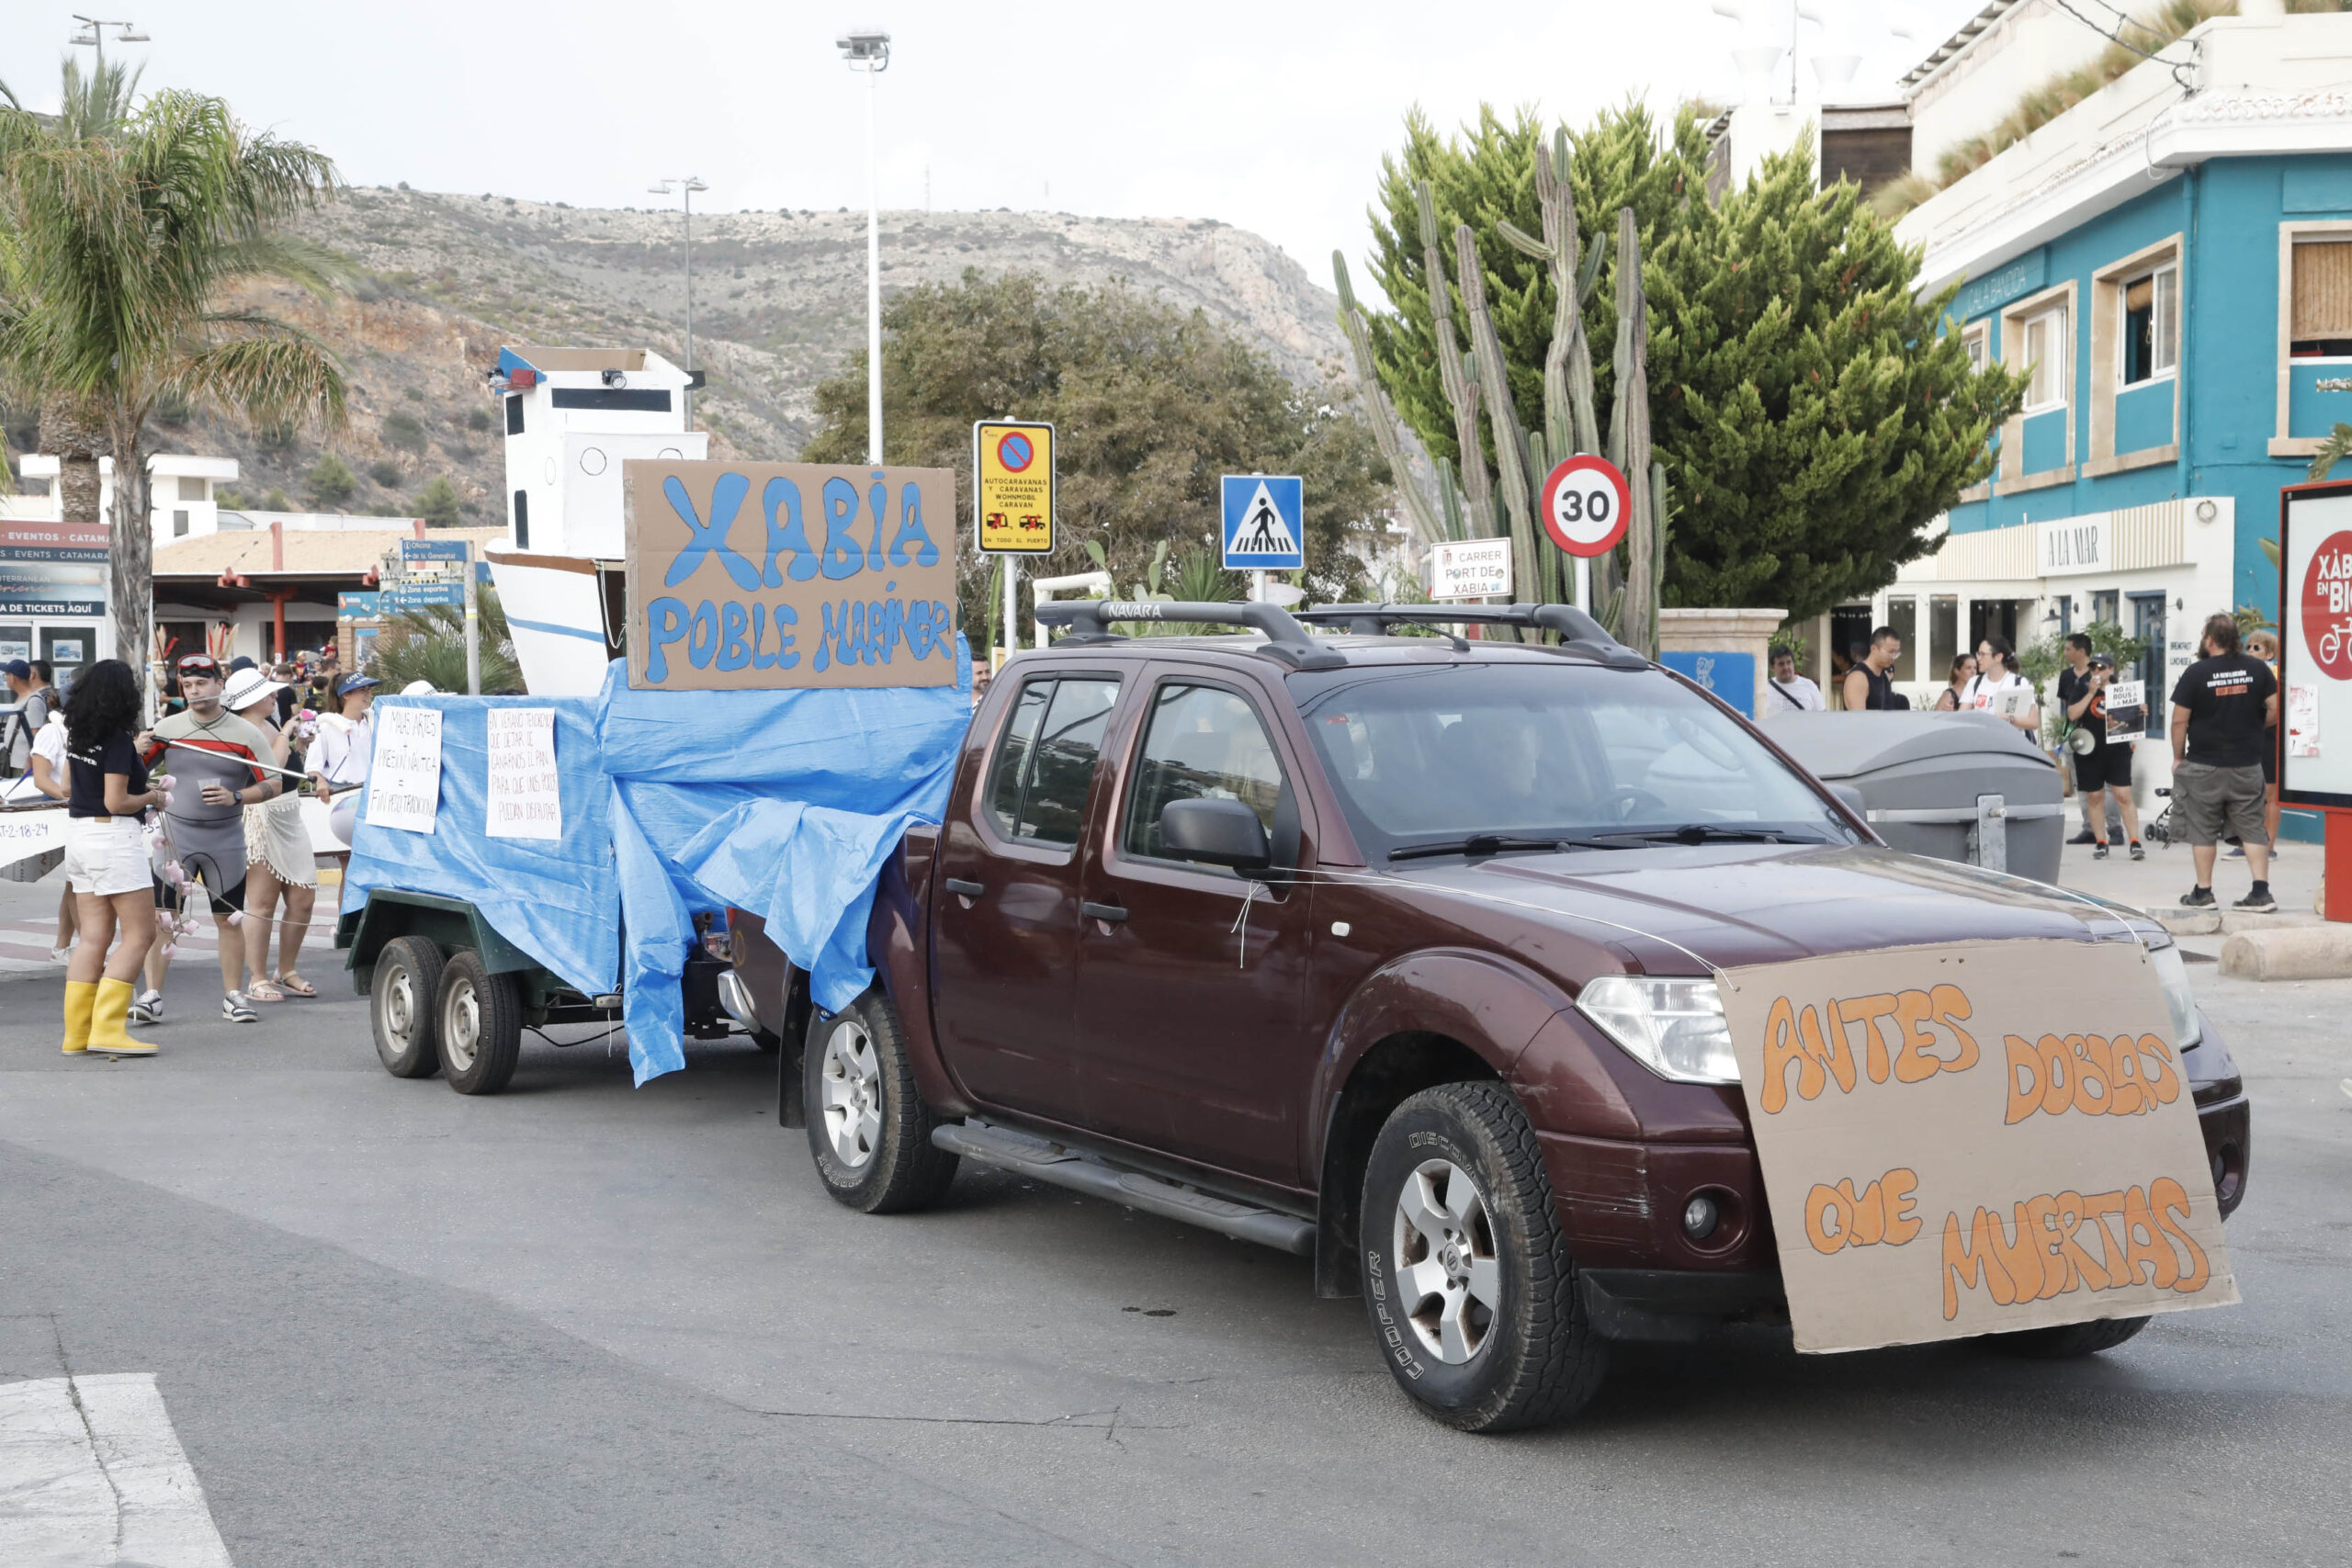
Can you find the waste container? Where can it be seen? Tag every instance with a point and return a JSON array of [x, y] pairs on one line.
[[1958, 787]]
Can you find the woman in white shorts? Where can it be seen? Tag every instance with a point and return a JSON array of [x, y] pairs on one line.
[[278, 855], [106, 858]]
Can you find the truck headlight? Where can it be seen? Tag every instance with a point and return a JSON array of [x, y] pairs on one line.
[[1675, 1027], [2172, 974]]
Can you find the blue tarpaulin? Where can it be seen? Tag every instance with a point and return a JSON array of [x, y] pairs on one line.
[[785, 802]]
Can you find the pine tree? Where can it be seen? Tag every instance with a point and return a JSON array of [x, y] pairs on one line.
[[1811, 415]]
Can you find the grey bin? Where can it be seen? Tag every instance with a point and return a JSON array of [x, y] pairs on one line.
[[1957, 786]]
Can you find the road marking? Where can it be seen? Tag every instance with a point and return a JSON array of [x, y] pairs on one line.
[[91, 1473]]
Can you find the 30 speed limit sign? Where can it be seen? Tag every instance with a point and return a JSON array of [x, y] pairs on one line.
[[1585, 502]]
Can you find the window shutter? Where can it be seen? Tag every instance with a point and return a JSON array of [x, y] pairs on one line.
[[2323, 306]]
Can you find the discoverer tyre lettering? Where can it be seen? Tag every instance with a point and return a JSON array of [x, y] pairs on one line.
[[869, 1127]]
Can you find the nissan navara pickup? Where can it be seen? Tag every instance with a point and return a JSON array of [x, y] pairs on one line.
[[1395, 952]]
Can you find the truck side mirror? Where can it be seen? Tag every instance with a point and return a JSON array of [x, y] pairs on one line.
[[1216, 832]]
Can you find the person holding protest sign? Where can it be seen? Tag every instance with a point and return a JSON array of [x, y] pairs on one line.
[[2107, 765]]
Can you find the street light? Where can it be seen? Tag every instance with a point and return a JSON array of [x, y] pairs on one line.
[[686, 185], [868, 49], [94, 37]]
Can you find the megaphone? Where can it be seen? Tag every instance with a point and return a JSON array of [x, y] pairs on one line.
[[2081, 742]]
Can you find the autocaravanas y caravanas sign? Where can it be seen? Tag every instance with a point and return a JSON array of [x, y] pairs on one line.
[[746, 575], [1962, 1140]]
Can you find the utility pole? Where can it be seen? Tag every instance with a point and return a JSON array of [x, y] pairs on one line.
[[686, 185], [868, 49]]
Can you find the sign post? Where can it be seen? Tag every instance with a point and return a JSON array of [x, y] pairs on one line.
[[1586, 502], [1012, 502], [1264, 525]]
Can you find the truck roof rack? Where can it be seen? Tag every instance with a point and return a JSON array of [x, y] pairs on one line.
[[1579, 632], [1089, 620]]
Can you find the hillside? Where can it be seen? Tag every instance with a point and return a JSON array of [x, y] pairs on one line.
[[779, 304]]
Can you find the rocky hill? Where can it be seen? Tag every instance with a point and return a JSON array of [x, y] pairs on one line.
[[779, 304]]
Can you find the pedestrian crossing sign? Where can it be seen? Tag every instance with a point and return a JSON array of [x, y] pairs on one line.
[[1264, 522]]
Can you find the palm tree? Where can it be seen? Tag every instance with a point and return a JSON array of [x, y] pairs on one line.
[[122, 230]]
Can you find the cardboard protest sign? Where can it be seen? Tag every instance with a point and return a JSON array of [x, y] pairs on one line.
[[1973, 1139], [521, 800], [405, 773], [788, 575]]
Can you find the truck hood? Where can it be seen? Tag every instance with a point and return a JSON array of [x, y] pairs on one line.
[[1677, 910]]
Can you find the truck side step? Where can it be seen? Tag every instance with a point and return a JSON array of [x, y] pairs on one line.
[[1081, 1172]]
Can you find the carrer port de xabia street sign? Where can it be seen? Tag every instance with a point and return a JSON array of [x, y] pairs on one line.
[[1012, 484]]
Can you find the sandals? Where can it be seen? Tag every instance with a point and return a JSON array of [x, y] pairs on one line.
[[264, 991], [293, 985]]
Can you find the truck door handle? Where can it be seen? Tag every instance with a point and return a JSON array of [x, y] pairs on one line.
[[968, 890], [1108, 913]]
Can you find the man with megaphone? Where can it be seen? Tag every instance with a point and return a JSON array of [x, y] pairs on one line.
[[2100, 764]]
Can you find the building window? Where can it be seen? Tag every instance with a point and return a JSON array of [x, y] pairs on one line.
[[194, 489], [2103, 601], [1903, 617], [1944, 635], [2043, 345], [2321, 317], [2151, 326], [1977, 342], [179, 524]]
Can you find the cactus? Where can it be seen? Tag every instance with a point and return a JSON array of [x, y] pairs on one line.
[[1470, 503]]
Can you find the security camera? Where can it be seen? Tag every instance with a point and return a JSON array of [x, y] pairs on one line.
[[616, 378], [865, 46]]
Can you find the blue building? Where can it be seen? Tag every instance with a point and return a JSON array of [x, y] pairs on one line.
[[2169, 263]]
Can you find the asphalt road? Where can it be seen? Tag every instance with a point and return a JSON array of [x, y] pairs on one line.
[[586, 1324]]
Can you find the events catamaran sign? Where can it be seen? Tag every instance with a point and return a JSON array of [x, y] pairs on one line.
[[789, 575]]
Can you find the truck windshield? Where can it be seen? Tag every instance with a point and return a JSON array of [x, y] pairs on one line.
[[1490, 757]]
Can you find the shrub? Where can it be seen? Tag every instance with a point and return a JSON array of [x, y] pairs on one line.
[[332, 483], [404, 431], [478, 420], [385, 472], [439, 503]]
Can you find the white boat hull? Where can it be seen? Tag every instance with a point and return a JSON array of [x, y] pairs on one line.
[[555, 613]]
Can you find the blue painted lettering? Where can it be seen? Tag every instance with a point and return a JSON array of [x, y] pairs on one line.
[[734, 653], [912, 540], [782, 493], [665, 623], [702, 637], [842, 557], [710, 539]]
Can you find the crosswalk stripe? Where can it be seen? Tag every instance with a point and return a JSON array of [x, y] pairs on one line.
[[91, 1472]]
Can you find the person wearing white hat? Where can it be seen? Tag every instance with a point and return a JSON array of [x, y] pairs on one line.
[[420, 688], [278, 861]]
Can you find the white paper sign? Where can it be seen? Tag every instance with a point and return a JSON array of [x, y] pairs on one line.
[[524, 802], [405, 776], [2127, 710], [1470, 568], [2302, 721]]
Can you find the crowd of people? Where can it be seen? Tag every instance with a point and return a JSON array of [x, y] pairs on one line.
[[221, 765], [2223, 734]]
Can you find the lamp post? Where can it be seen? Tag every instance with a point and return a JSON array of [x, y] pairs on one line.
[[95, 36], [868, 49], [686, 185]]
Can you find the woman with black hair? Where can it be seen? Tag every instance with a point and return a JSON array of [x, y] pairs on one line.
[[105, 861]]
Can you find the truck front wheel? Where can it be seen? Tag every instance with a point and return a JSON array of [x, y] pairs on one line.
[[869, 1127], [1473, 1295], [482, 1025], [403, 1005]]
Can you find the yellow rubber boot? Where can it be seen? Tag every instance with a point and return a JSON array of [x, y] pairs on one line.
[[107, 1033], [80, 996]]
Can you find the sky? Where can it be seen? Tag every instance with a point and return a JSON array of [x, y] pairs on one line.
[[1271, 116]]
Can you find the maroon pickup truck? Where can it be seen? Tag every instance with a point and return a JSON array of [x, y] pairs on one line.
[[1395, 952]]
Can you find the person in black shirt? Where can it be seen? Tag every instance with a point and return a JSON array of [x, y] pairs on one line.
[[1868, 686], [2082, 692], [2220, 708], [106, 863]]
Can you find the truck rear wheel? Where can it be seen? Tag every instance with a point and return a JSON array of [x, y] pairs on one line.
[[1471, 1290], [403, 1007], [480, 1018], [869, 1127]]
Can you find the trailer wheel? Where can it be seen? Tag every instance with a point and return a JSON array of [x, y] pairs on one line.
[[869, 1126], [403, 1005], [480, 1018]]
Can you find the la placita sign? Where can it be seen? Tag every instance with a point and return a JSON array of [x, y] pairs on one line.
[[788, 575]]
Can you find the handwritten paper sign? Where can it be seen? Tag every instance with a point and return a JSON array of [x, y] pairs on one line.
[[404, 776], [523, 800], [789, 574], [1964, 1140]]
